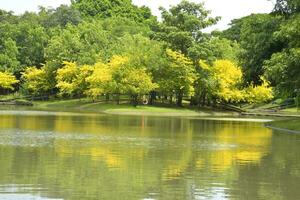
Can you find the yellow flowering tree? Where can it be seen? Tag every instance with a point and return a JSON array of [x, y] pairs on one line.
[[228, 77], [260, 93], [36, 81], [71, 79], [100, 80], [7, 80]]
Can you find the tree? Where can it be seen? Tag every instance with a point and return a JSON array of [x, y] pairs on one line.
[[177, 76], [181, 25], [223, 80], [31, 40], [7, 80], [287, 6], [228, 77], [258, 44], [283, 69], [8, 57], [81, 44], [214, 49], [71, 79], [260, 93], [133, 81], [112, 8], [100, 81], [61, 16], [36, 81]]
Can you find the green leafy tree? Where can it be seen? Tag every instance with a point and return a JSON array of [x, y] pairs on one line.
[[258, 44], [112, 8], [61, 16], [182, 25], [213, 49], [9, 56], [177, 77], [81, 44]]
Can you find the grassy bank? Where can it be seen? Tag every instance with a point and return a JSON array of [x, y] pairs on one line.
[[85, 105], [291, 124]]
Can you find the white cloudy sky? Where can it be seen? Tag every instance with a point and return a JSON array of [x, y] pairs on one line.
[[227, 9]]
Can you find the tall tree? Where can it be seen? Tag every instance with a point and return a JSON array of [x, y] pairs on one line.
[[182, 25], [112, 8], [255, 34]]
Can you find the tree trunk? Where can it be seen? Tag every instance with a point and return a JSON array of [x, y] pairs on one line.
[[134, 100], [179, 99], [152, 97], [171, 99], [118, 99]]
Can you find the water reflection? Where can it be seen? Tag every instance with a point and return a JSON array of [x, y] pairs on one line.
[[127, 157]]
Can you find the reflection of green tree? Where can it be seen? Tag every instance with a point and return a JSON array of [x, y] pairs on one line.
[[142, 155]]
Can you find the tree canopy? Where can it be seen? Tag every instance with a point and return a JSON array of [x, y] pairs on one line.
[[109, 48]]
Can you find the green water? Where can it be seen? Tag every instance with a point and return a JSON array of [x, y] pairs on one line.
[[49, 156]]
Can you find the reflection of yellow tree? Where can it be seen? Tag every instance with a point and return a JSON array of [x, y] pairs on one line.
[[7, 121], [178, 166], [242, 144]]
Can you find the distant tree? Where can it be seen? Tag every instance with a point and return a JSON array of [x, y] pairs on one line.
[[287, 6], [181, 25], [61, 16], [112, 8]]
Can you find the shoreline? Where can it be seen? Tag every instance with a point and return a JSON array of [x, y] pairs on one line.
[[85, 106], [282, 129]]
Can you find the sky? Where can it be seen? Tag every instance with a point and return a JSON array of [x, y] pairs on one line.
[[227, 9]]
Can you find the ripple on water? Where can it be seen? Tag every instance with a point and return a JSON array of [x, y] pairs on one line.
[[26, 138]]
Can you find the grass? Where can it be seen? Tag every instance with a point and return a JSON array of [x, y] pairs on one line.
[[293, 125], [85, 105], [292, 110]]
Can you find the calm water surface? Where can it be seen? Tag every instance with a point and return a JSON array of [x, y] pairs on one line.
[[61, 156]]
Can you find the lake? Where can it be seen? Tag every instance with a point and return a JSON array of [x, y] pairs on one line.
[[61, 156]]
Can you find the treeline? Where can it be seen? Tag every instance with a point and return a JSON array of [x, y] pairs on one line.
[[96, 48]]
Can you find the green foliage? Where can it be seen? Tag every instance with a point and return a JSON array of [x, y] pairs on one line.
[[177, 76], [284, 72], [287, 6], [258, 44], [112, 8], [8, 56], [133, 81], [80, 44], [31, 40], [214, 49], [181, 25], [61, 16]]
